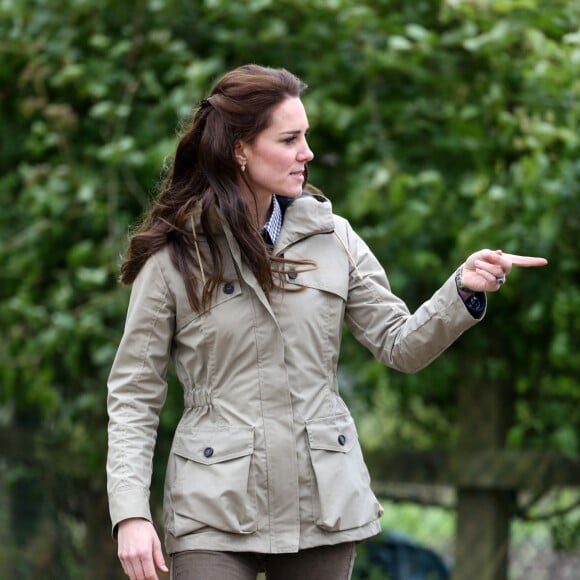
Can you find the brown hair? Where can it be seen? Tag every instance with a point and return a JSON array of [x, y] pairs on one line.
[[204, 175]]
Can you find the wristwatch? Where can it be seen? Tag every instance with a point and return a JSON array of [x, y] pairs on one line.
[[475, 302]]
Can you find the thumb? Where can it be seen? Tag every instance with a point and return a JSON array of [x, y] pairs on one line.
[[158, 556]]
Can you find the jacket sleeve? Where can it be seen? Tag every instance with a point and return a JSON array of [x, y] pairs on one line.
[[382, 322], [137, 389]]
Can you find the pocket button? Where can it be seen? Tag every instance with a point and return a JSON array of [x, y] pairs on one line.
[[208, 452], [228, 288], [341, 439], [292, 275]]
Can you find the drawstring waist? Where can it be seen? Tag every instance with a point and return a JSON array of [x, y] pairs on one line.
[[193, 398]]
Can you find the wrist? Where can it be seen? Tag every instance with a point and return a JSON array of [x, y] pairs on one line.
[[474, 301], [463, 291]]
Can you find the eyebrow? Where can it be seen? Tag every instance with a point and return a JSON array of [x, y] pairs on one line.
[[294, 132]]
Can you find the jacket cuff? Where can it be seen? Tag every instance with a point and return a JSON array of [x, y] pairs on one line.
[[470, 311], [129, 502]]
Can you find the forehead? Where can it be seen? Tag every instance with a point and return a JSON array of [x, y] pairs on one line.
[[289, 115]]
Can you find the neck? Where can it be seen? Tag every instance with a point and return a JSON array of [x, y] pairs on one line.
[[265, 211], [260, 208]]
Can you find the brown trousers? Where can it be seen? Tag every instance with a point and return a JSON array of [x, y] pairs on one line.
[[323, 563]]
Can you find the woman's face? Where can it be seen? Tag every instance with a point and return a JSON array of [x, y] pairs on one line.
[[276, 159]]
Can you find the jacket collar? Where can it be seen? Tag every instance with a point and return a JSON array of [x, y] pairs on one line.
[[305, 216]]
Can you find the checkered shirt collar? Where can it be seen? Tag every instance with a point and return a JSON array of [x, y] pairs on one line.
[[274, 224]]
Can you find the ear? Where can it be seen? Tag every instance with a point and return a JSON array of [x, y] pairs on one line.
[[240, 153]]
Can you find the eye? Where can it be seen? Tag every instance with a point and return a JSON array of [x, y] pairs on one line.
[[290, 140]]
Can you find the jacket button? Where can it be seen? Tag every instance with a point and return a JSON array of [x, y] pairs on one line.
[[228, 288], [292, 275], [208, 452], [341, 439]]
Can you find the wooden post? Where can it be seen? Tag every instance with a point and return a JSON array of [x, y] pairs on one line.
[[483, 515]]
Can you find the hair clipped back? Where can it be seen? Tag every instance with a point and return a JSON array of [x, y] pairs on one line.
[[204, 174]]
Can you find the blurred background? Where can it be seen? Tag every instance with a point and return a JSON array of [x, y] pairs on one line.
[[439, 127]]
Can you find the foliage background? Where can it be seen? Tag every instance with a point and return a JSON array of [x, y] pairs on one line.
[[439, 127]]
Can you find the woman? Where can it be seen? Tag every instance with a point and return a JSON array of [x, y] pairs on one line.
[[244, 280]]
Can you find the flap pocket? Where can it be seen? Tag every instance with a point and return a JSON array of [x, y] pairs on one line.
[[211, 482], [342, 497], [332, 433], [209, 446]]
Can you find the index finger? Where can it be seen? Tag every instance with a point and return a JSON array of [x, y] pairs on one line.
[[525, 261]]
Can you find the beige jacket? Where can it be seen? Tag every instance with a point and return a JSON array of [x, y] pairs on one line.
[[265, 457]]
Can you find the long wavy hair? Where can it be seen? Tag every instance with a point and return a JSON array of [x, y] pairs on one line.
[[204, 175]]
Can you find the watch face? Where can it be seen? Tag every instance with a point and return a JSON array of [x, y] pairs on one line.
[[475, 304]]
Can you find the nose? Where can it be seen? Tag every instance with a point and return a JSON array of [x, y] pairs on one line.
[[306, 153]]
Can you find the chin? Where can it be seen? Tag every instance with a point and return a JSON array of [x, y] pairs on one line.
[[293, 193]]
